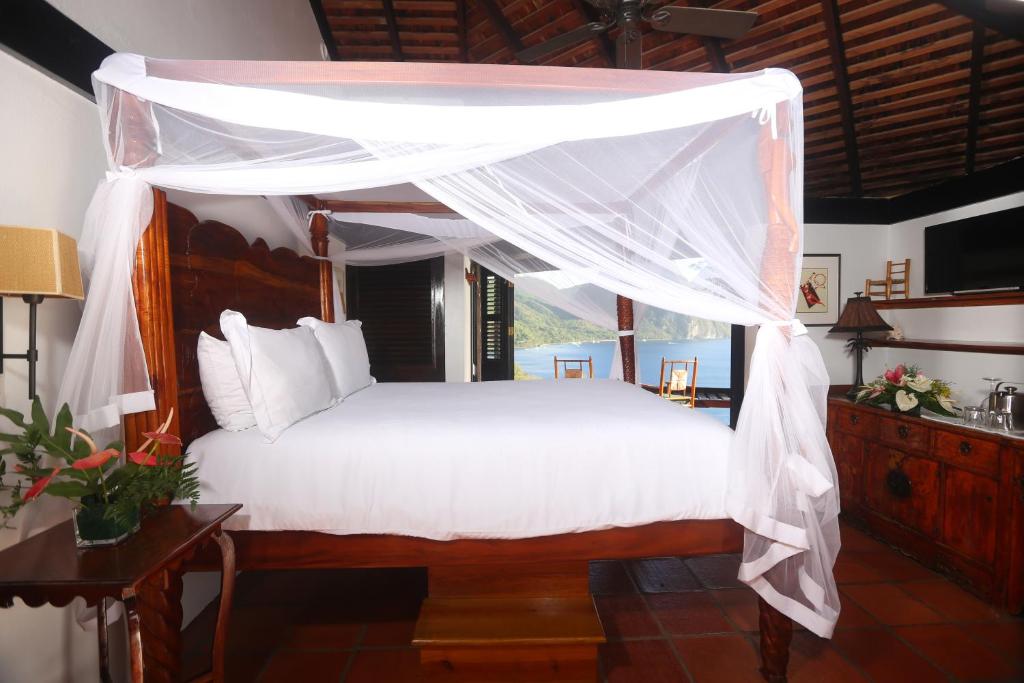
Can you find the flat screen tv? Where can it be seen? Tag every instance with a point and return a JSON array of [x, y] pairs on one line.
[[983, 252]]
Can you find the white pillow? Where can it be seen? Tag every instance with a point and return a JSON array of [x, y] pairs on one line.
[[345, 349], [221, 386], [282, 371]]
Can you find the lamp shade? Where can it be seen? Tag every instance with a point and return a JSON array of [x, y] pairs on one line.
[[38, 261], [860, 315]]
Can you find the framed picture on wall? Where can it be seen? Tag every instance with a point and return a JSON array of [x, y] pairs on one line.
[[817, 303]]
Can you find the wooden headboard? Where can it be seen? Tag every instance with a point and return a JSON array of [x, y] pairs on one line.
[[187, 272]]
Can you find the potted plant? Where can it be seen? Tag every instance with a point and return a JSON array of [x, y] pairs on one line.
[[905, 389], [111, 489]]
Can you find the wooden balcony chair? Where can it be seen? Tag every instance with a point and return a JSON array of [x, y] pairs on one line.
[[680, 383], [575, 372], [897, 281]]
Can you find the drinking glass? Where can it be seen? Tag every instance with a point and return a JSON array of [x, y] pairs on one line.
[[997, 420], [974, 416]]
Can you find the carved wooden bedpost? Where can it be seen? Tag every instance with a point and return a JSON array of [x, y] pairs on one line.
[[624, 306], [319, 235], [779, 275]]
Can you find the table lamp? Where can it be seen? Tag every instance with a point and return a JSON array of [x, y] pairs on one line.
[[859, 316], [36, 263]]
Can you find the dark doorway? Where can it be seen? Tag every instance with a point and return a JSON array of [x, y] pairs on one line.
[[402, 311], [495, 306]]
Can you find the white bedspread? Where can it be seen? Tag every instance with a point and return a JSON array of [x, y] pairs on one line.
[[472, 460]]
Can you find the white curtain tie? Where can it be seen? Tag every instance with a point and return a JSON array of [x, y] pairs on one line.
[[795, 324], [120, 173], [626, 333]]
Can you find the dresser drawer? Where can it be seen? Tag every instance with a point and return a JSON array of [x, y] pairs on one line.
[[904, 434], [970, 453], [858, 422], [903, 487]]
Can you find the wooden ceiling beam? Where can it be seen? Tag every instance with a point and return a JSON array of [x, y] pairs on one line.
[[974, 96], [830, 9], [501, 25], [392, 23], [462, 30], [1008, 24]]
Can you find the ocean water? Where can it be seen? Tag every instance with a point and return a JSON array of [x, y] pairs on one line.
[[713, 364]]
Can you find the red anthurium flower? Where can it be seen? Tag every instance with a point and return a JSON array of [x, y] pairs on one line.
[[143, 458], [95, 460], [163, 438], [38, 487], [895, 375]]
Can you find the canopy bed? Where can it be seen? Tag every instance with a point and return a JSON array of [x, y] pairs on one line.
[[681, 191]]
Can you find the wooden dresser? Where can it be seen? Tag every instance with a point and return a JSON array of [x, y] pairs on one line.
[[949, 496]]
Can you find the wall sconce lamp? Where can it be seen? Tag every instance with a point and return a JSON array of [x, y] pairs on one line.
[[859, 316], [36, 263]]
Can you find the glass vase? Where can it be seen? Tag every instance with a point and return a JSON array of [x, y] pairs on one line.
[[94, 529]]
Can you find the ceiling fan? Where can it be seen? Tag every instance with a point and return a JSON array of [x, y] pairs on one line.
[[627, 15]]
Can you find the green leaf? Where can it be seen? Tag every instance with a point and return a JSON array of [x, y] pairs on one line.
[[69, 489], [39, 419], [116, 445], [14, 416], [80, 449], [61, 436]]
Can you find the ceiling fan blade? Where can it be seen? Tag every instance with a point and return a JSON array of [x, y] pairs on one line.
[[562, 42], [628, 49], [716, 23]]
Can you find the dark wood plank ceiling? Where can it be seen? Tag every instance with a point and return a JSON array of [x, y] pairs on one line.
[[898, 94]]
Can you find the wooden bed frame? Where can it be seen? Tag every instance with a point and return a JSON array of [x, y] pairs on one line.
[[187, 272]]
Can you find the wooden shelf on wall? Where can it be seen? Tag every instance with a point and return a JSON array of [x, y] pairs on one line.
[[1009, 348], [955, 300]]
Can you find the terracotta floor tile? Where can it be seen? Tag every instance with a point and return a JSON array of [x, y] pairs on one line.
[[884, 657], [740, 605], [289, 666], [625, 616], [389, 633], [953, 649], [890, 605], [662, 575], [857, 540], [340, 636], [814, 660], [853, 615], [1006, 637], [952, 601], [609, 577], [856, 567], [688, 613], [719, 659], [384, 666], [894, 566], [716, 571], [641, 661]]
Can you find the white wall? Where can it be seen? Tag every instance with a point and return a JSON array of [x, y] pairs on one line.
[[862, 248], [986, 323], [457, 319], [201, 29], [52, 160]]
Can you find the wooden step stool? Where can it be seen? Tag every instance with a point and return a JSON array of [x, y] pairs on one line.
[[535, 623]]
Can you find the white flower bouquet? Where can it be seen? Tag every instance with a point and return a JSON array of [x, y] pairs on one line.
[[906, 390]]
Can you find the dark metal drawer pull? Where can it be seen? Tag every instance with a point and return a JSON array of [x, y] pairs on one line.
[[903, 431], [898, 483], [965, 447], [854, 418]]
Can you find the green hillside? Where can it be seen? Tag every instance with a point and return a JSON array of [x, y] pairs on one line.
[[538, 323]]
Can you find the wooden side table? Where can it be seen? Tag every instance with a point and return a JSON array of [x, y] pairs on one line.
[[143, 572]]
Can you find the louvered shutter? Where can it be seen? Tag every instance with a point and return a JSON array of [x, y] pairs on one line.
[[402, 310], [496, 330]]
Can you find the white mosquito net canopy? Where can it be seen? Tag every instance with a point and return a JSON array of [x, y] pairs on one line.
[[679, 190]]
